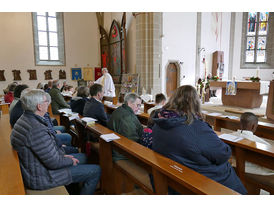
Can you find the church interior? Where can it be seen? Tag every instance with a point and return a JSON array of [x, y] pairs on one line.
[[226, 56]]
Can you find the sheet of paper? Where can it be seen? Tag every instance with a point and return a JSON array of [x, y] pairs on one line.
[[109, 137], [214, 114], [88, 119], [66, 111], [230, 117], [230, 137]]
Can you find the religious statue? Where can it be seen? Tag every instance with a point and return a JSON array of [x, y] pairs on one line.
[[16, 75], [2, 76], [62, 74], [48, 74], [32, 75]]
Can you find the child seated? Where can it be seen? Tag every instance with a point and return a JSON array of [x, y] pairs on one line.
[[160, 101]]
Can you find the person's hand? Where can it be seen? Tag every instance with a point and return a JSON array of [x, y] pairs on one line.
[[75, 161], [58, 132], [69, 156]]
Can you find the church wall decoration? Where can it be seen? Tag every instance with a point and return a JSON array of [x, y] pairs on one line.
[[32, 74], [113, 49], [97, 73], [115, 52], [104, 48], [16, 75], [76, 73], [88, 73], [130, 83], [2, 76], [62, 74], [48, 75]]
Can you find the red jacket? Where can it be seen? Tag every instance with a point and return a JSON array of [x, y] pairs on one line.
[[9, 97]]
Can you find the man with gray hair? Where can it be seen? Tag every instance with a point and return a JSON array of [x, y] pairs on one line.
[[43, 164], [106, 81], [124, 121], [58, 101]]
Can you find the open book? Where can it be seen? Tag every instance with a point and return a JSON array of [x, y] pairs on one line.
[[88, 120], [65, 110], [71, 116]]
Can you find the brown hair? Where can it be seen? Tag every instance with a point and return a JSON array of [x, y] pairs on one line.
[[185, 101]]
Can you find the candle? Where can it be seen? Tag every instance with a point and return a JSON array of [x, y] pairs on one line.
[[258, 72]]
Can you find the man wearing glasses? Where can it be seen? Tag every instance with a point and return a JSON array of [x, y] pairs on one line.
[[124, 121]]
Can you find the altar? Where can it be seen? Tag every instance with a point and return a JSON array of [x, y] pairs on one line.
[[249, 94]]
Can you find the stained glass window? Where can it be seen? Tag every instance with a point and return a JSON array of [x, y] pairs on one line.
[[49, 38], [256, 36]]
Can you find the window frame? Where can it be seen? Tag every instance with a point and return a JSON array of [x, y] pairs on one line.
[[269, 63], [61, 41]]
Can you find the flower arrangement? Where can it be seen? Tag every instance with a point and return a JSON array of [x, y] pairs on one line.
[[215, 78], [255, 79]]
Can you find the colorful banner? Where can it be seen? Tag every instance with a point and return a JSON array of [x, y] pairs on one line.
[[98, 72], [88, 73], [76, 73]]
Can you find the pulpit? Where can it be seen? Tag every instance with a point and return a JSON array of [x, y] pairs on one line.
[[247, 96]]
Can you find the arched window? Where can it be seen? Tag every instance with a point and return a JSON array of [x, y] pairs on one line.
[[48, 32], [257, 41]]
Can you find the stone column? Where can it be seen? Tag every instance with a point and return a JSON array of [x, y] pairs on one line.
[[148, 51]]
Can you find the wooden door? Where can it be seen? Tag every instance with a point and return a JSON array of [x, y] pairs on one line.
[[171, 79]]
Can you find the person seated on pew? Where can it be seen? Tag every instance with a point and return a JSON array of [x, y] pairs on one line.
[[124, 121], [49, 86], [249, 124], [64, 85], [160, 101], [17, 93], [94, 108], [9, 95], [43, 164], [180, 134], [77, 103], [58, 101], [64, 139]]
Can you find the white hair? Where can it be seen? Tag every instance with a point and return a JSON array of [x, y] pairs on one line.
[[104, 69], [32, 98]]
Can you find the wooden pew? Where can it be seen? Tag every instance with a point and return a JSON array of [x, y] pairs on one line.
[[10, 173], [244, 150], [264, 129], [166, 172], [4, 108], [256, 153], [147, 106]]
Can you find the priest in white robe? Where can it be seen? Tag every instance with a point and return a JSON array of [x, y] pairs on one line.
[[107, 83]]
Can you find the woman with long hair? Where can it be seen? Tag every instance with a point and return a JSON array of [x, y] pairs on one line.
[[180, 134]]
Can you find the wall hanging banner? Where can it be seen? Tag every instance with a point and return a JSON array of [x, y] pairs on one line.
[[88, 73], [76, 73], [231, 88], [97, 73]]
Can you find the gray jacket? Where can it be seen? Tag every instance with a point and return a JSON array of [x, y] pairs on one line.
[[42, 162]]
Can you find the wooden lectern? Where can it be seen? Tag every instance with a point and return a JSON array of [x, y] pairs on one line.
[[270, 102], [248, 94]]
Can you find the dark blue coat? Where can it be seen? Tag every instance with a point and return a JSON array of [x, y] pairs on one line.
[[78, 104], [95, 109], [197, 147]]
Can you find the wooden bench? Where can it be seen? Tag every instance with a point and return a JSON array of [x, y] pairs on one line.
[[4, 108], [256, 153], [244, 150], [264, 129], [10, 173], [116, 176]]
